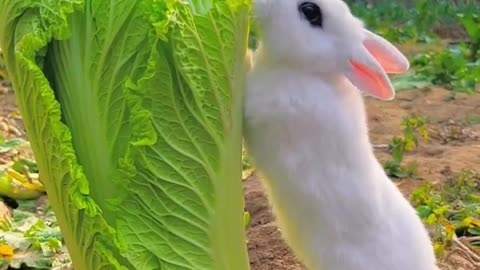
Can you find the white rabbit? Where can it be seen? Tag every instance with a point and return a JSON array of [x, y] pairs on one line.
[[306, 130]]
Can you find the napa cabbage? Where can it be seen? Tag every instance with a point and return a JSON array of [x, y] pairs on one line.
[[133, 109]]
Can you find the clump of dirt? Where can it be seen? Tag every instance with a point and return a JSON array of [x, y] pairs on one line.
[[11, 124], [452, 32], [454, 146]]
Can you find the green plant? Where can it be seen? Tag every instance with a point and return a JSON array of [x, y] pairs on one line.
[[472, 120], [387, 18], [408, 143], [410, 81], [247, 167], [248, 219], [452, 210], [401, 21], [471, 23], [450, 68], [133, 109], [33, 240], [43, 238]]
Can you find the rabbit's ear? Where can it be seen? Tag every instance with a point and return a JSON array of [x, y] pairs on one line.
[[387, 55], [370, 64], [367, 75]]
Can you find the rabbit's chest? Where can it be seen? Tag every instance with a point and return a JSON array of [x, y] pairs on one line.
[[303, 119]]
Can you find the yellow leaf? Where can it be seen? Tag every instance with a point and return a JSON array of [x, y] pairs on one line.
[[16, 115], [15, 175], [11, 187], [467, 222], [450, 232], [6, 251], [476, 222], [409, 145], [439, 248], [440, 211], [432, 219], [34, 186], [424, 133]]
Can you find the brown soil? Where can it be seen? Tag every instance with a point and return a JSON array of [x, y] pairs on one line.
[[451, 32], [454, 145]]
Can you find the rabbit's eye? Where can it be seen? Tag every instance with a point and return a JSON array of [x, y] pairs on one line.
[[312, 13]]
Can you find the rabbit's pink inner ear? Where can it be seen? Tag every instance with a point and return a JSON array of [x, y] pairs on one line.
[[391, 60], [374, 83]]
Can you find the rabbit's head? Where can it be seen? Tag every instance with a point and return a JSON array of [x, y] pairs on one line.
[[322, 36]]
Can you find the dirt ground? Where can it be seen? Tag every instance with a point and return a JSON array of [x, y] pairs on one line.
[[455, 145]]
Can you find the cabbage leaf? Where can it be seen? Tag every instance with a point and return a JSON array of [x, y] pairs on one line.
[[133, 109]]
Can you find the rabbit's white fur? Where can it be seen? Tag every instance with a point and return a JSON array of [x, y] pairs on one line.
[[306, 129]]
